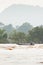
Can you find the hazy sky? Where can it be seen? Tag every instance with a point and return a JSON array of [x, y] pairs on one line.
[[5, 3]]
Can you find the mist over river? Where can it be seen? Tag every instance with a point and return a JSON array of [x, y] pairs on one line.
[[20, 55]]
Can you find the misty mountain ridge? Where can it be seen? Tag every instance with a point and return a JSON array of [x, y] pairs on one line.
[[1, 25], [25, 27], [21, 13], [8, 28]]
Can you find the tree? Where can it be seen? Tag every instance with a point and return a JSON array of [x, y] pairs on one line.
[[21, 37], [36, 34], [18, 37], [3, 35]]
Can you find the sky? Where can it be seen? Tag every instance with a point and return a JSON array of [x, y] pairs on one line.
[[6, 3]]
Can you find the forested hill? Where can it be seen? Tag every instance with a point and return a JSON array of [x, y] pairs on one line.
[[25, 27]]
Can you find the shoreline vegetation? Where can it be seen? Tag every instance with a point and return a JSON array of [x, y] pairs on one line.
[[33, 36]]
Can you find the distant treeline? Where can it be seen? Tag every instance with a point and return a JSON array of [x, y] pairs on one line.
[[35, 35]]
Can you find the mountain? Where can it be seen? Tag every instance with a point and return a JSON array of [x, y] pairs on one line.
[[8, 28], [25, 28], [21, 13], [1, 25]]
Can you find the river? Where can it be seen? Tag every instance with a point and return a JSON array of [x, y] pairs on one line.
[[21, 56]]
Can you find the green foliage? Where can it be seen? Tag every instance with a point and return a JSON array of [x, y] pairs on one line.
[[1, 33], [36, 34], [18, 37], [3, 36]]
